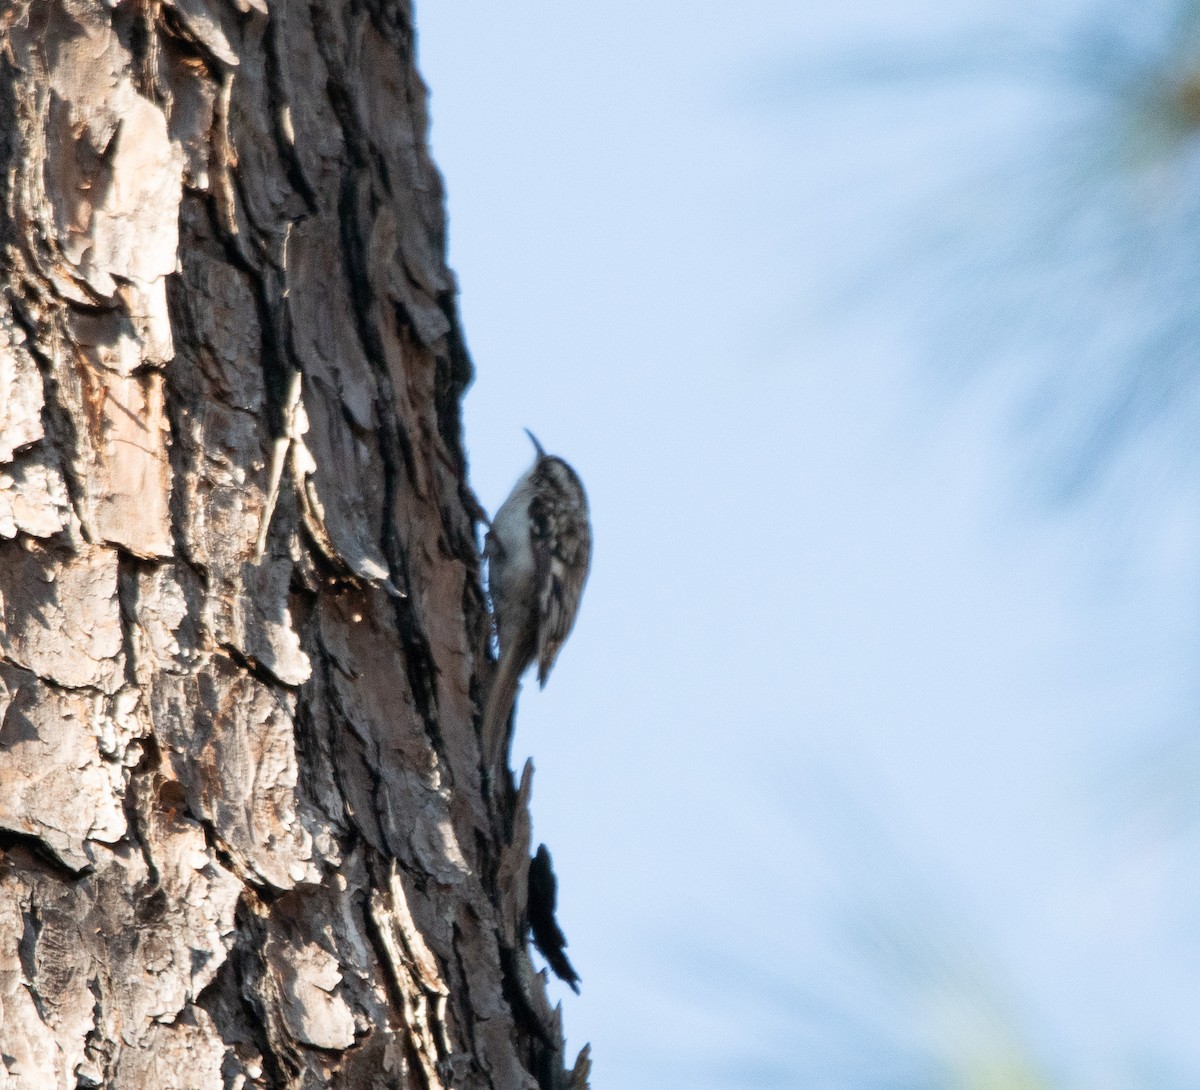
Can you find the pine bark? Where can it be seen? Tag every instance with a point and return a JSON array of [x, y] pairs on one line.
[[245, 835]]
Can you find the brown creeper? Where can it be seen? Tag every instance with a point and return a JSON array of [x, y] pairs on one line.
[[538, 551]]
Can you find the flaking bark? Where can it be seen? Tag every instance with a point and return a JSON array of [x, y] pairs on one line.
[[244, 839]]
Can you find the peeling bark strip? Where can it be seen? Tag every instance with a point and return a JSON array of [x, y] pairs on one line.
[[243, 840]]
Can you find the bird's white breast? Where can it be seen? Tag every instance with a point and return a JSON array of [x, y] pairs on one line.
[[512, 570]]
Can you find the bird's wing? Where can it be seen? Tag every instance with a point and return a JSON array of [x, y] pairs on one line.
[[561, 559]]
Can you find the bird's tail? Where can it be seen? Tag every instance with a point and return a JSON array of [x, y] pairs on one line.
[[499, 704]]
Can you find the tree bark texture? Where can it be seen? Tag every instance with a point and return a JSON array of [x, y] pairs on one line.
[[245, 835]]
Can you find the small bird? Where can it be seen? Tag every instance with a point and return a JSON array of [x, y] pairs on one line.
[[542, 906], [538, 552]]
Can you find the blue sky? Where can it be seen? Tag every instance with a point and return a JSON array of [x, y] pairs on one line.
[[862, 767]]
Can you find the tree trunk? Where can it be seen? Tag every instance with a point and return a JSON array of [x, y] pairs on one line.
[[245, 835]]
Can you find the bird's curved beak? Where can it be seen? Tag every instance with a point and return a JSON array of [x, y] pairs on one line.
[[536, 445]]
